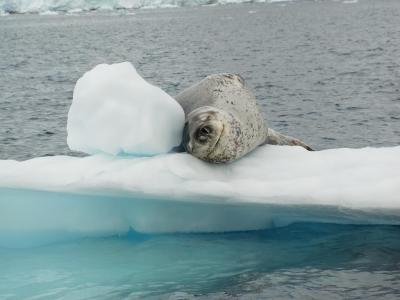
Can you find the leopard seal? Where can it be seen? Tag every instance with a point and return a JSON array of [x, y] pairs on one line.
[[223, 122]]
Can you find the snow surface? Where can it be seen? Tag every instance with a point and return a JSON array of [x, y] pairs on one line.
[[116, 111], [73, 6], [55, 198]]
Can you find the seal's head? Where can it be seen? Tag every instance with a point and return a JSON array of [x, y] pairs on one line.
[[213, 135]]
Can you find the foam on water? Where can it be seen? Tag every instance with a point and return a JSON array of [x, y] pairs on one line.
[[275, 185]]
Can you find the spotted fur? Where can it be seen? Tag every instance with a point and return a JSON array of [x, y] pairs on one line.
[[223, 104]]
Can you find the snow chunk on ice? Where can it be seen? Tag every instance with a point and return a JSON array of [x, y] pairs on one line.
[[115, 111]]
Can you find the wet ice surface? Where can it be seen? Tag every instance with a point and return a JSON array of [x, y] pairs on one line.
[[325, 72]]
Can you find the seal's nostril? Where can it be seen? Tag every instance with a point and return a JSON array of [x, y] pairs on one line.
[[205, 130]]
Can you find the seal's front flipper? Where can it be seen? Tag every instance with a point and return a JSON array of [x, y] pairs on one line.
[[276, 138]]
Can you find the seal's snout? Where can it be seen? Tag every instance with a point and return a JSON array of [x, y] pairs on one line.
[[202, 131]]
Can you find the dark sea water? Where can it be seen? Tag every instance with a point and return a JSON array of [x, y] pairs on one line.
[[327, 72]]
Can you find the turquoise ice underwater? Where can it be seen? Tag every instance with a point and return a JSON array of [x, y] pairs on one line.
[[66, 250]]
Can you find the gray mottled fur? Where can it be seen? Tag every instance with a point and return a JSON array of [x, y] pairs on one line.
[[229, 93]]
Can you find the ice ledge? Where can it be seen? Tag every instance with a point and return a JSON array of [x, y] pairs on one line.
[[354, 178], [274, 185]]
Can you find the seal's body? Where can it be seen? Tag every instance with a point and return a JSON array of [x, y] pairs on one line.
[[223, 121]]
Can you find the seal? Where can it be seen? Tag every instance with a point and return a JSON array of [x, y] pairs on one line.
[[223, 121]]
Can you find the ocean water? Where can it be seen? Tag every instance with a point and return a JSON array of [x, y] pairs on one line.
[[327, 72]]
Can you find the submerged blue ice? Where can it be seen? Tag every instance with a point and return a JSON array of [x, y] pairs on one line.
[[60, 198], [300, 261]]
